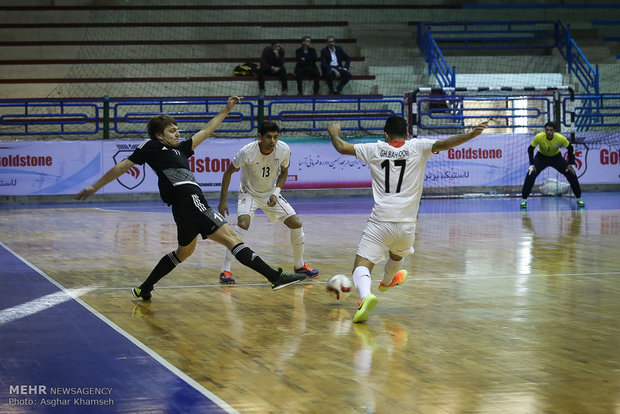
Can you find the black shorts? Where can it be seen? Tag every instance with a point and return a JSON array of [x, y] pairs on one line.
[[194, 216]]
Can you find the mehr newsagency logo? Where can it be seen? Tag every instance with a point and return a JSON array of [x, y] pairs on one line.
[[135, 176]]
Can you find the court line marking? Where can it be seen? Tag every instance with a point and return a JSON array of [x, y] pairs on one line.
[[40, 304], [515, 276], [412, 278], [193, 383]]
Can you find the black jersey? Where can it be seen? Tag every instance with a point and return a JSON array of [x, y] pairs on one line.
[[170, 164]]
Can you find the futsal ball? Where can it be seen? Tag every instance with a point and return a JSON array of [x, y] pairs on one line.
[[339, 285], [553, 187]]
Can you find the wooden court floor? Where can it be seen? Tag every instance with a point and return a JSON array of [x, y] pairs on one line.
[[503, 312]]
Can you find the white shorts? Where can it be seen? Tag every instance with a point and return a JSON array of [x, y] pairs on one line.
[[396, 236], [247, 204]]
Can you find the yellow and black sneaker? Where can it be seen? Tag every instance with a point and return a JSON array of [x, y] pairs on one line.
[[365, 307], [141, 293]]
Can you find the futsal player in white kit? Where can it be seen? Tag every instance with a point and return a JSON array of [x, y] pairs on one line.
[[264, 169], [397, 168]]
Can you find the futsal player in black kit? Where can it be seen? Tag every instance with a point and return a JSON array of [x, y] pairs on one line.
[[167, 156]]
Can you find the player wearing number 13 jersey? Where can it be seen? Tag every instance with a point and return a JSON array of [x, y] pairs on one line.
[[264, 169], [397, 170], [167, 156]]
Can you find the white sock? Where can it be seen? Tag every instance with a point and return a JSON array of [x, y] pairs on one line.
[[390, 269], [362, 281], [229, 256], [297, 243]]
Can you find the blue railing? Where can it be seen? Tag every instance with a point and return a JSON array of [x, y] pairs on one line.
[[437, 64], [131, 116], [127, 118], [123, 118], [494, 35], [470, 110], [315, 114], [32, 117], [543, 34], [588, 77], [606, 106], [577, 63], [511, 110]]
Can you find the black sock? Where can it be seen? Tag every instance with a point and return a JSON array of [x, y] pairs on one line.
[[247, 257], [165, 266]]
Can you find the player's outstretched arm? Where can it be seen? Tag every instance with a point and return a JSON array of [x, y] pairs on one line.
[[111, 175], [223, 205], [446, 144], [341, 146], [215, 122]]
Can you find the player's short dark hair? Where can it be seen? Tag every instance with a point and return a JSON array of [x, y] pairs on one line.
[[268, 126], [158, 124], [395, 126], [551, 124], [305, 37]]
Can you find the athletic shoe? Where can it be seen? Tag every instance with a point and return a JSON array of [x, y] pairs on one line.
[[141, 293], [365, 307], [523, 203], [285, 279], [580, 203], [307, 270], [398, 279], [227, 278]]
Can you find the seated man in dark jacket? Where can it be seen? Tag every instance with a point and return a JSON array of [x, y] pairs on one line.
[[306, 65], [335, 64], [272, 64]]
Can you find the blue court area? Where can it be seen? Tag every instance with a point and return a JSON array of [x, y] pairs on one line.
[[60, 355]]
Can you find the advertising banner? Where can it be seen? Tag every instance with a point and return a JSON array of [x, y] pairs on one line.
[[65, 167]]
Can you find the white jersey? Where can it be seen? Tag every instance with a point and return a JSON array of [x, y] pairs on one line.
[[259, 171], [397, 177]]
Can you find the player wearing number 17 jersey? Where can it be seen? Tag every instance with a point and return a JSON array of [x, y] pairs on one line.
[[397, 169]]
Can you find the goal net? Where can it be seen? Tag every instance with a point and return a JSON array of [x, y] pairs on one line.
[[496, 162]]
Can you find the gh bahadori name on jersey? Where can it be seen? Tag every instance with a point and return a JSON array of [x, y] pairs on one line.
[[394, 154]]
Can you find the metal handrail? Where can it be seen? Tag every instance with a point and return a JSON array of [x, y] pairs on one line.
[[128, 117], [437, 64]]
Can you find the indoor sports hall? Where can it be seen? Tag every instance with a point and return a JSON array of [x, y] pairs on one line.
[[506, 309]]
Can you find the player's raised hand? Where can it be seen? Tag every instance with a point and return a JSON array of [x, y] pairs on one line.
[[334, 130], [232, 101], [479, 128], [85, 193]]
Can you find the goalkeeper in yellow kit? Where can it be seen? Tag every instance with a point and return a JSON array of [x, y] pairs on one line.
[[549, 155]]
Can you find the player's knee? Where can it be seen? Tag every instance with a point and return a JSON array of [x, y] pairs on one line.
[[293, 222], [244, 221], [184, 252]]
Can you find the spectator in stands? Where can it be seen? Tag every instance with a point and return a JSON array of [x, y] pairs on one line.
[[549, 143], [335, 64], [306, 59], [272, 64]]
